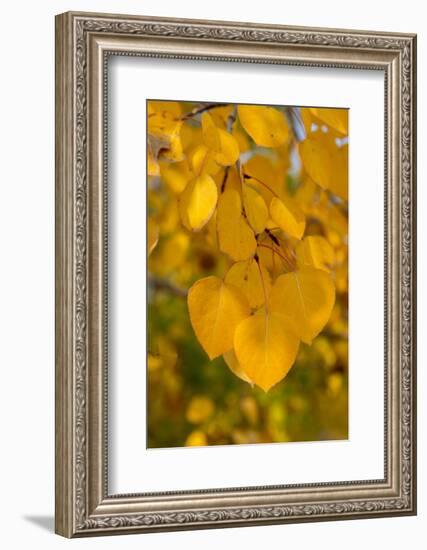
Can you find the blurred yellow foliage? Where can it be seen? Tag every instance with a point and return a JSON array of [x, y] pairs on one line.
[[199, 409]]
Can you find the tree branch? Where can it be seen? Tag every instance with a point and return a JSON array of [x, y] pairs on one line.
[[158, 283], [199, 110]]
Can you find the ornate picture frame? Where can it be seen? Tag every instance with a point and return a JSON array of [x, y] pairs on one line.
[[84, 42]]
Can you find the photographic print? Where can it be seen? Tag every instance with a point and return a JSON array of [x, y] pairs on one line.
[[247, 245]]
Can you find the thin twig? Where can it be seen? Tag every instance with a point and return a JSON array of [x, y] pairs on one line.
[[231, 119], [249, 177], [158, 283], [199, 110], [224, 179]]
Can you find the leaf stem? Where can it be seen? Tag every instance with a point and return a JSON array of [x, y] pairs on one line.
[[248, 176], [284, 258], [231, 119], [199, 110]]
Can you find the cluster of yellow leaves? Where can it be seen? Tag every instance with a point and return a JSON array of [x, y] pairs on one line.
[[225, 169]]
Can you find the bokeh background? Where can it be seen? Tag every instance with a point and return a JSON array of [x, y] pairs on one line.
[[194, 401]]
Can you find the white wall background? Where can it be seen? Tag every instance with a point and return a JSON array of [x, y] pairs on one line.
[[27, 274]]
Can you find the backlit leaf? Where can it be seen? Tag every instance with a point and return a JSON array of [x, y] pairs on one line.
[[265, 348], [202, 161], [197, 202], [255, 208], [235, 236], [266, 126], [264, 176], [339, 180], [222, 143], [335, 118], [216, 308], [210, 133], [175, 175], [288, 216], [229, 149], [247, 276], [316, 158], [305, 298], [325, 162], [315, 251], [233, 364], [164, 127]]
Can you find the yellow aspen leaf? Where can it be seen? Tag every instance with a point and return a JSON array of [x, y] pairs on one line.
[[164, 127], [210, 133], [202, 161], [165, 109], [174, 151], [306, 194], [241, 137], [331, 216], [235, 236], [315, 251], [266, 126], [211, 233], [199, 409], [229, 149], [335, 118], [216, 308], [163, 118], [264, 177], [196, 439], [265, 348], [220, 115], [223, 144], [233, 364], [308, 118], [255, 208], [152, 235], [272, 262], [247, 276], [197, 202], [190, 136], [339, 180], [325, 162], [316, 158], [175, 175], [288, 216], [305, 298]]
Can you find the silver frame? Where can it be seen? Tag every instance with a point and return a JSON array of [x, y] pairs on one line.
[[83, 43]]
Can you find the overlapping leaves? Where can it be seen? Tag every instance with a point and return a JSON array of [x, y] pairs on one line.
[[279, 274]]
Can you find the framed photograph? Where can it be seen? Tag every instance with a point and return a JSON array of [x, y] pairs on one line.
[[235, 274]]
